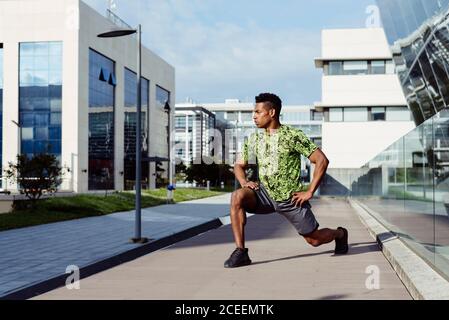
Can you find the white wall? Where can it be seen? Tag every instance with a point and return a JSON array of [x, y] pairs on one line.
[[353, 144], [354, 44], [33, 21], [362, 90]]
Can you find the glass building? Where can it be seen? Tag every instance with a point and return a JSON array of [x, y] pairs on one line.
[[417, 31], [130, 128], [102, 82], [406, 186], [40, 97]]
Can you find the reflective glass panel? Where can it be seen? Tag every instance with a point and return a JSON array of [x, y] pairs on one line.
[[37, 64]]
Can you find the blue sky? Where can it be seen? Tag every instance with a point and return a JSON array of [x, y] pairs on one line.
[[238, 48]]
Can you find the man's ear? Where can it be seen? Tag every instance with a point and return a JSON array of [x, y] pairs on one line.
[[273, 113]]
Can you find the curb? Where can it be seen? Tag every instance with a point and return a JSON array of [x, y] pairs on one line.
[[420, 279], [58, 281]]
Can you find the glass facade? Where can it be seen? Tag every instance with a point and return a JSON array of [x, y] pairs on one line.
[[358, 67], [407, 187], [162, 96], [363, 114], [418, 34], [102, 82], [40, 97], [130, 128]]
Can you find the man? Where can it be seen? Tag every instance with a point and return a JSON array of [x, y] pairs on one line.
[[277, 152]]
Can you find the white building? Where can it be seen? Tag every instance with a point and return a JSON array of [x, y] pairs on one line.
[[363, 103], [74, 94], [194, 132], [234, 121]]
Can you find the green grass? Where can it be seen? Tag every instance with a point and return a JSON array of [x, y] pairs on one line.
[[82, 206]]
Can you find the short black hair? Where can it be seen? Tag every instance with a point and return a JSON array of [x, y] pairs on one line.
[[272, 100]]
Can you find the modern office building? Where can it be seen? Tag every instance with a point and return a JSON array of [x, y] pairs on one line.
[[233, 121], [418, 35], [70, 93], [406, 186], [194, 133], [362, 101]]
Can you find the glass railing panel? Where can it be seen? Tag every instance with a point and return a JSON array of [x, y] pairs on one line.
[[417, 225], [441, 159]]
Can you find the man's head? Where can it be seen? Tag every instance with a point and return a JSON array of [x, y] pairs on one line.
[[268, 109]]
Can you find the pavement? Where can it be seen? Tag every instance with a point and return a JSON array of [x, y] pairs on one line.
[[284, 265], [35, 259]]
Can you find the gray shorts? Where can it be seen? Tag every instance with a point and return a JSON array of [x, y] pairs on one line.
[[302, 218]]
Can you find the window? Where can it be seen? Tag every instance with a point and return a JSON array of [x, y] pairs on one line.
[[359, 67], [335, 68], [130, 126], [233, 116], [101, 122], [389, 67], [220, 115], [398, 114], [162, 97], [335, 114], [316, 115], [40, 97], [180, 122], [296, 116], [247, 116], [377, 114], [378, 67], [355, 114], [355, 67]]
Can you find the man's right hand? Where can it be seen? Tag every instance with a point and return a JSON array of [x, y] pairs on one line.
[[251, 185]]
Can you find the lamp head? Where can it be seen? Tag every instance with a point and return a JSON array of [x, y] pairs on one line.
[[117, 33]]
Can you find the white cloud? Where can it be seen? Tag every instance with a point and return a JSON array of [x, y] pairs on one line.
[[215, 60]]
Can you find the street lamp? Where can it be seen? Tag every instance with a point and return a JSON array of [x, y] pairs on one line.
[[19, 136], [170, 187], [120, 33]]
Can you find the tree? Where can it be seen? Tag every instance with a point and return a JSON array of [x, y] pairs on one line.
[[36, 175], [215, 173]]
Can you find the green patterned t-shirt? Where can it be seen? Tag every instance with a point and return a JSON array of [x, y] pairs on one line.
[[279, 159]]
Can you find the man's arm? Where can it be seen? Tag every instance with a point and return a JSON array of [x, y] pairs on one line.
[[321, 163], [239, 172]]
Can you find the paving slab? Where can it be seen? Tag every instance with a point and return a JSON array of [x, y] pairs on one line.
[[30, 256], [284, 266]]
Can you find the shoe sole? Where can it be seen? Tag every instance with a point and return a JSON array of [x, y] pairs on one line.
[[240, 265]]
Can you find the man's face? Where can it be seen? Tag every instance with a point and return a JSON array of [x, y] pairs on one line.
[[263, 115]]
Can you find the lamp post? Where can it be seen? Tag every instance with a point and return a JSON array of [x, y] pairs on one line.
[[120, 33], [170, 187], [19, 137]]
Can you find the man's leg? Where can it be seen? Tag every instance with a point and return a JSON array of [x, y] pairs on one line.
[[241, 199], [323, 236]]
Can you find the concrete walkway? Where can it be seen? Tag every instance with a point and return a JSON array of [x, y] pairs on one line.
[[284, 266], [32, 255]]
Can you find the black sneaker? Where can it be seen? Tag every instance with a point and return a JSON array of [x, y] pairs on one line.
[[238, 258], [341, 245]]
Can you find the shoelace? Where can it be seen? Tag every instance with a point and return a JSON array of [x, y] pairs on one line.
[[236, 253]]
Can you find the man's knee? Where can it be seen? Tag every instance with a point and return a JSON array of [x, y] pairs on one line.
[[237, 198], [313, 242]]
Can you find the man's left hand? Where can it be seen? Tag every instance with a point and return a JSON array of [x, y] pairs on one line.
[[301, 197]]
